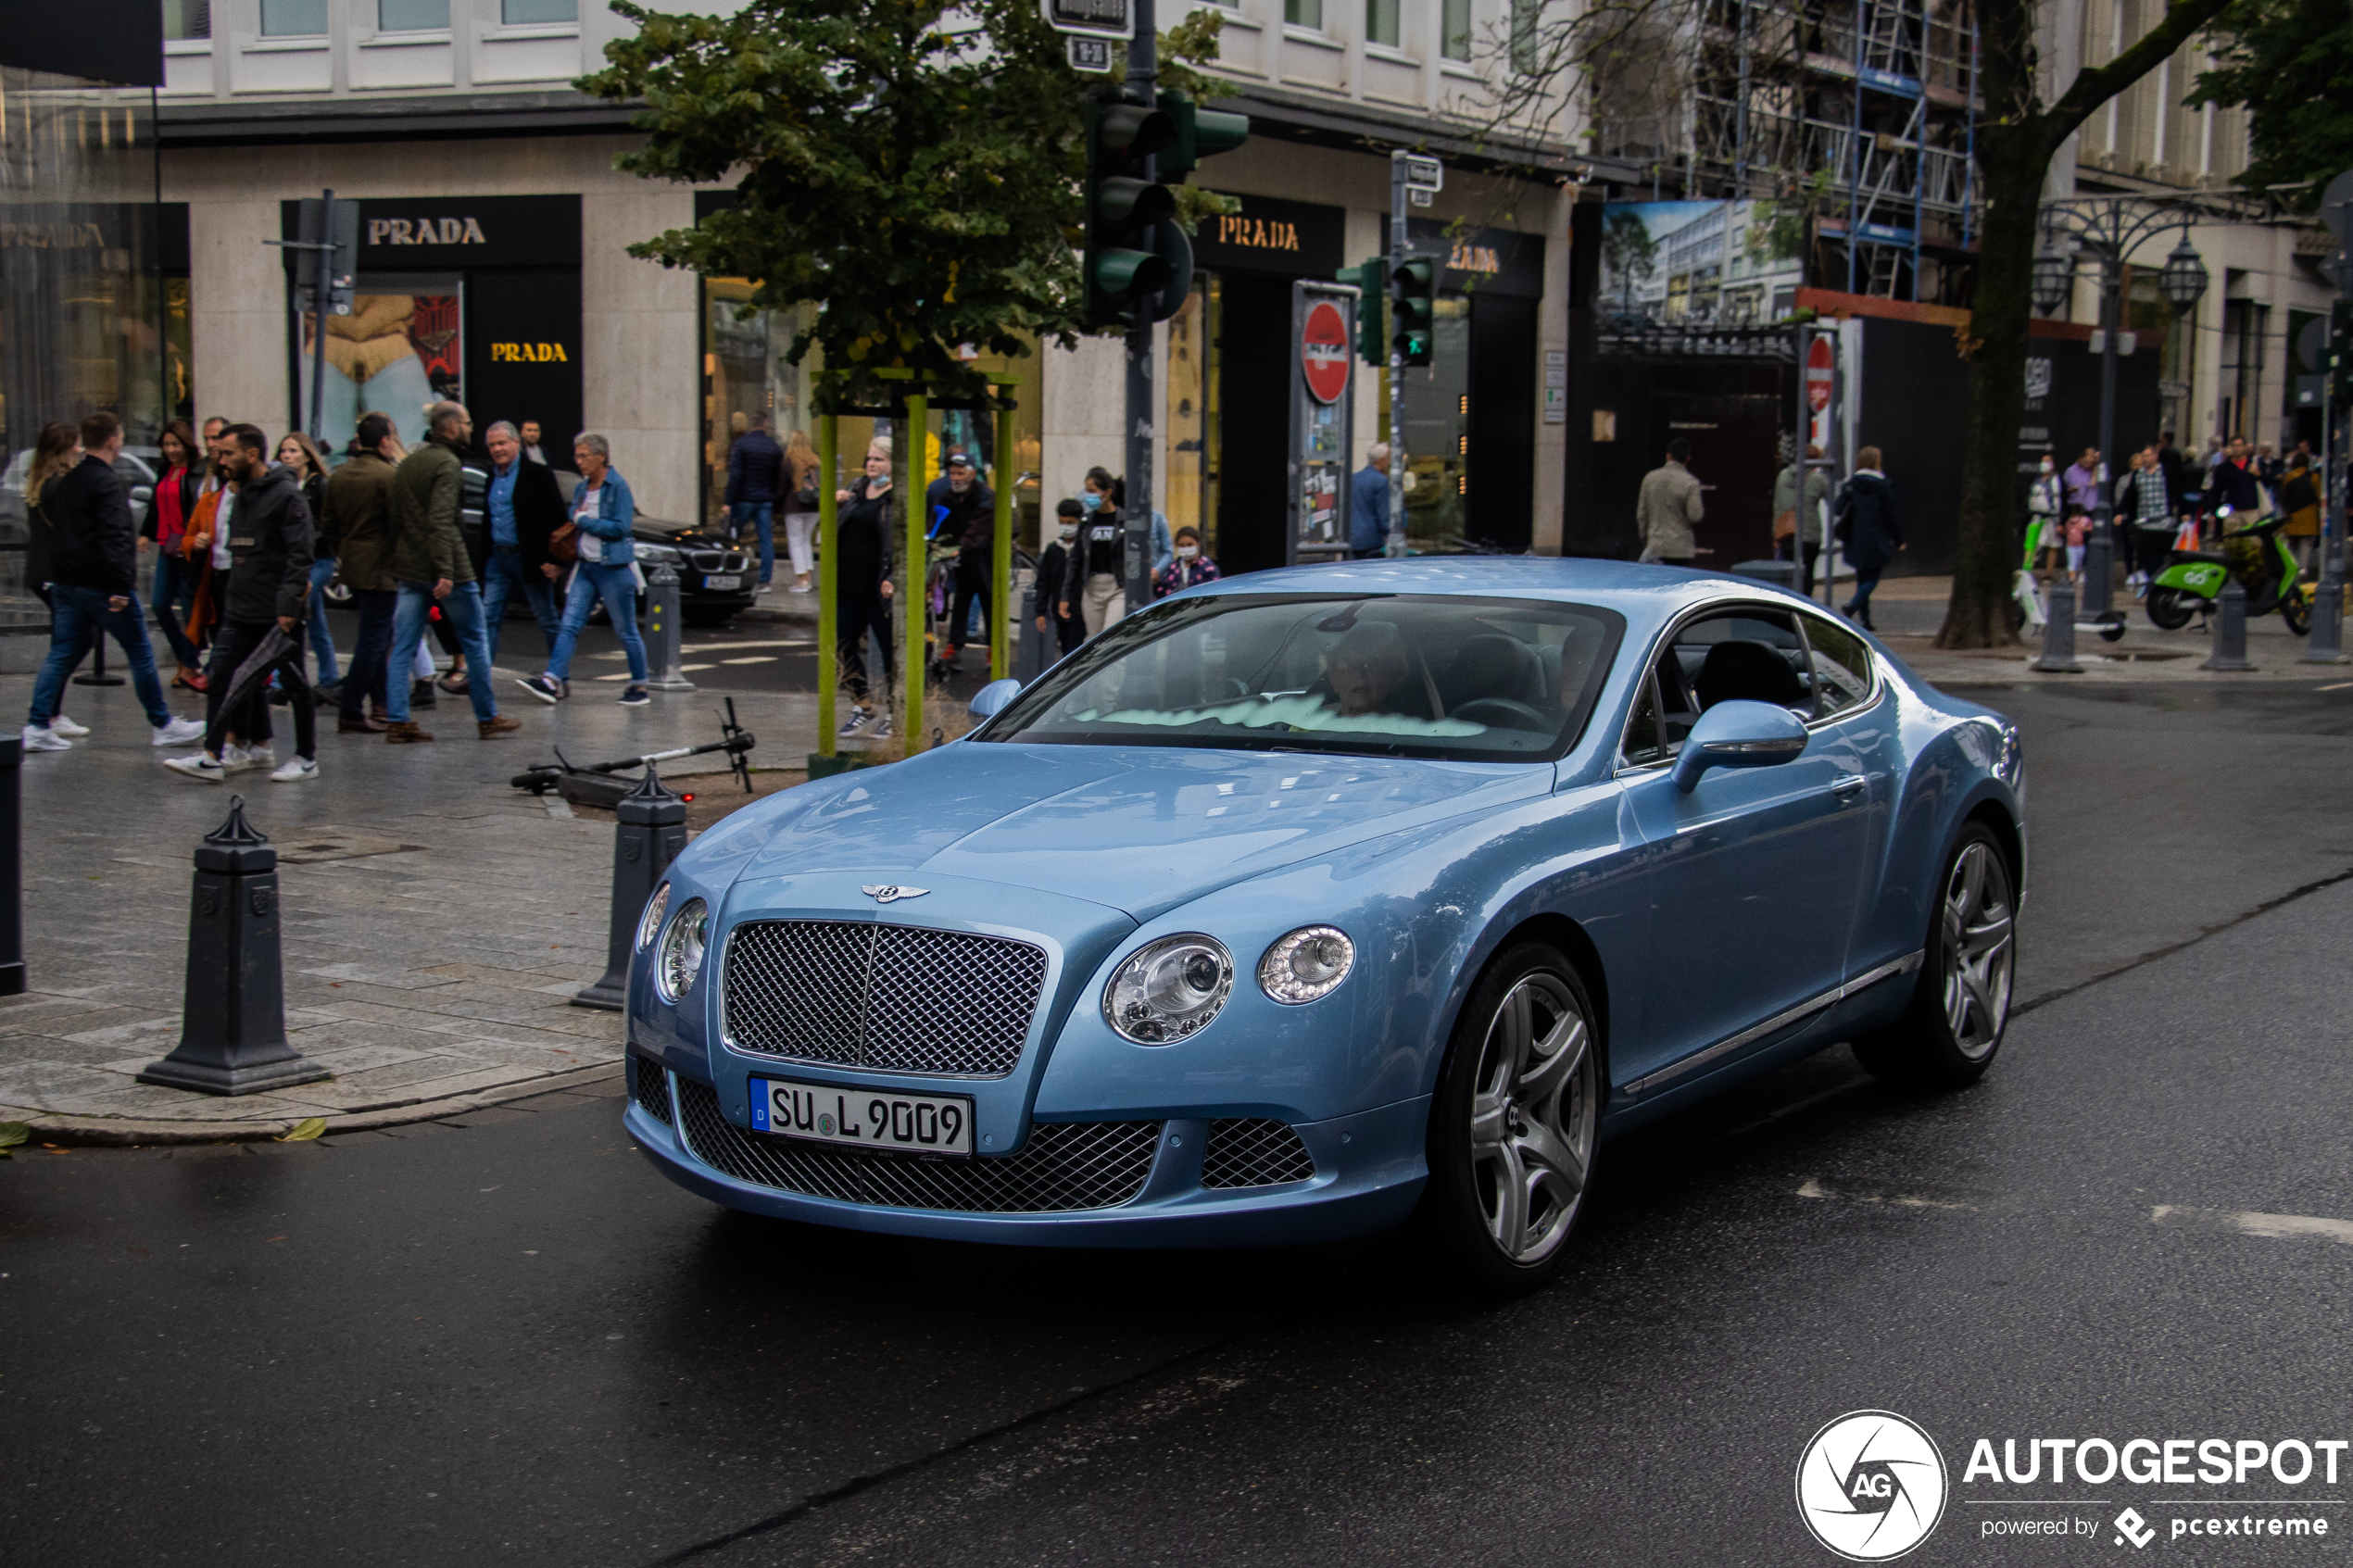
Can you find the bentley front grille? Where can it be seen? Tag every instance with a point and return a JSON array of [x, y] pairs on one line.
[[898, 998], [1063, 1167], [1254, 1153]]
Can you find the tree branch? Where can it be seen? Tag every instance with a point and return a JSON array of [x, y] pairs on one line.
[[2095, 85]]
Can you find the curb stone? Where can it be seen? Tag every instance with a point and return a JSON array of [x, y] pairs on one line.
[[102, 1132]]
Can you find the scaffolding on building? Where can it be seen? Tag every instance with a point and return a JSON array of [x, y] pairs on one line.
[[1856, 119]]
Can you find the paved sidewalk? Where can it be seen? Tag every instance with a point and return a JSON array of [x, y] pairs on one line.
[[437, 922]]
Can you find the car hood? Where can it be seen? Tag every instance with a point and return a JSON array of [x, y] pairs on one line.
[[1141, 829]]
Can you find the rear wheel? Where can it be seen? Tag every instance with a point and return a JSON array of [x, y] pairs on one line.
[[1948, 1037], [2296, 610], [1513, 1126], [2168, 608]]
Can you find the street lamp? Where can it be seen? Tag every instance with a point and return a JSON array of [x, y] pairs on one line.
[[2054, 274], [2184, 278]]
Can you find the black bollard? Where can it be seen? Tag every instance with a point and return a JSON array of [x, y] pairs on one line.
[[98, 676], [650, 832], [2058, 631], [11, 866], [2229, 630], [232, 1019]]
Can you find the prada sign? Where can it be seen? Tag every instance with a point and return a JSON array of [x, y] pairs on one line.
[[401, 235], [1298, 239]]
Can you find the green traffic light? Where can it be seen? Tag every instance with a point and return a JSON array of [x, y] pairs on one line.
[[1124, 273]]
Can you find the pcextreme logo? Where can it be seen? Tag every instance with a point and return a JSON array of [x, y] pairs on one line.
[[1871, 1485]]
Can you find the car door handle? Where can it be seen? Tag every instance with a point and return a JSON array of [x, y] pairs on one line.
[[1846, 786]]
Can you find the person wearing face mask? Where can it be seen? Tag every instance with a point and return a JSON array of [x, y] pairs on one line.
[[1052, 563], [1187, 567], [2043, 502], [971, 520], [1094, 581], [862, 588]]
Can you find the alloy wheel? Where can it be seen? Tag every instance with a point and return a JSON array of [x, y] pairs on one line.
[[1980, 922], [1532, 1117]]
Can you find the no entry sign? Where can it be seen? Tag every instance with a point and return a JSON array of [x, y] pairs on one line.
[[1818, 375], [1323, 351]]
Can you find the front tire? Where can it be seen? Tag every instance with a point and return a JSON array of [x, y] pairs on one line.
[[1514, 1125], [1961, 1007], [2296, 610], [2168, 608]]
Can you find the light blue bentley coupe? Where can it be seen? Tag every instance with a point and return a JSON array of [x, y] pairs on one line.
[[1309, 902]]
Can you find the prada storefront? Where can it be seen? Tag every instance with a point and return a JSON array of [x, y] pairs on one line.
[[475, 298]]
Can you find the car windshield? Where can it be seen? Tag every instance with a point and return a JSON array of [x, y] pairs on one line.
[[1409, 675]]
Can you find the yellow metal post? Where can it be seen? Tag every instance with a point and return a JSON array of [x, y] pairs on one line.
[[828, 570], [1000, 569], [912, 673]]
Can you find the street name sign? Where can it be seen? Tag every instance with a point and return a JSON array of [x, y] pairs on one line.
[[1098, 18]]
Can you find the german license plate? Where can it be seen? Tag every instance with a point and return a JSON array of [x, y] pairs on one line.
[[862, 1118], [726, 583]]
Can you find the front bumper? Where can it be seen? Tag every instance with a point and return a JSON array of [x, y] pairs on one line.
[[1369, 1172]]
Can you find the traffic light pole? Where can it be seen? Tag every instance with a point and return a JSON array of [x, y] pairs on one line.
[[323, 259], [1397, 255], [1143, 73]]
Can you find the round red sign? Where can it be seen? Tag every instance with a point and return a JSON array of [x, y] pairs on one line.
[[1323, 351], [1818, 375]]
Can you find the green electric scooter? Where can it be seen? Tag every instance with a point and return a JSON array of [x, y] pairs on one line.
[[2193, 579]]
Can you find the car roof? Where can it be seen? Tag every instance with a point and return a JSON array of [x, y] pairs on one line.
[[1644, 594]]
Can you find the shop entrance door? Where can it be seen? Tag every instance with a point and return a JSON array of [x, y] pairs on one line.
[[1255, 354], [1735, 453]]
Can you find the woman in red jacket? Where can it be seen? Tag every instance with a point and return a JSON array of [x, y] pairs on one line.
[[174, 589]]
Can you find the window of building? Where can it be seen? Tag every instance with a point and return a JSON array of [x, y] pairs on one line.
[[1380, 22], [412, 16], [1303, 12], [187, 19], [1527, 36], [293, 19], [1454, 29], [529, 13]]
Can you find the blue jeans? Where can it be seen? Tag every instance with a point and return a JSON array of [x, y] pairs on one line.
[[172, 595], [620, 591], [323, 642], [74, 615], [763, 515], [618, 588], [463, 607], [504, 573]]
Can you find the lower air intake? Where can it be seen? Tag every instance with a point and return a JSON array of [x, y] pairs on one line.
[[650, 1087], [1255, 1153]]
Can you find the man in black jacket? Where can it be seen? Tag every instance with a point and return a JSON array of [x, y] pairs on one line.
[[756, 482], [524, 506], [972, 523], [272, 538], [94, 584]]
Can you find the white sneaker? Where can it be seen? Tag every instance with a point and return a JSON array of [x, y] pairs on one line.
[[202, 768], [243, 758], [40, 737], [61, 725], [294, 770], [179, 731]]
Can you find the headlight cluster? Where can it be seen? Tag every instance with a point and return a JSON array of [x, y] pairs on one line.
[[678, 956], [1169, 990]]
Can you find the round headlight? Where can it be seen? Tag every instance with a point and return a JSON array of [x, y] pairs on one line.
[[650, 921], [680, 958], [1306, 964], [1169, 990]]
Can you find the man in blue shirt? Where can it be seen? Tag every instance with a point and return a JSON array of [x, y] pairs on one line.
[[524, 506], [1369, 505]]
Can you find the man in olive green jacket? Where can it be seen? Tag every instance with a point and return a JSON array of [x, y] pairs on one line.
[[357, 514], [430, 560]]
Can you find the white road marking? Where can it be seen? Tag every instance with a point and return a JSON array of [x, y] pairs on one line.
[[2275, 1226], [557, 804], [1814, 1188], [2337, 687], [738, 647], [755, 659]]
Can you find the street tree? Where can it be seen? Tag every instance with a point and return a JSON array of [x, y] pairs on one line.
[[2287, 62]]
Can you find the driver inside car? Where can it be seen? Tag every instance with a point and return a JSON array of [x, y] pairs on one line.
[[1366, 668]]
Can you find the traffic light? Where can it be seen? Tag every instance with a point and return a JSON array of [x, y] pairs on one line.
[[1123, 206], [1413, 304], [1200, 132], [2341, 352], [1371, 279]]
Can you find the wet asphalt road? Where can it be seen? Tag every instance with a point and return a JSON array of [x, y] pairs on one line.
[[511, 1338]]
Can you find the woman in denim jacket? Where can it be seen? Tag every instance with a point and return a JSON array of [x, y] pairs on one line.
[[603, 510]]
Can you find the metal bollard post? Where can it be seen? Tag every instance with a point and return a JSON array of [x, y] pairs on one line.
[[2326, 645], [2099, 566], [663, 631], [11, 866], [652, 829], [2058, 631], [232, 1021], [2229, 630]]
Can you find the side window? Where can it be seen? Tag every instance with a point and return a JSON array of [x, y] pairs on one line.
[[1842, 667], [1645, 743]]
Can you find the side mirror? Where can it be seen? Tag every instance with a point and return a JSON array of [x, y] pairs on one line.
[[992, 699], [1739, 734]]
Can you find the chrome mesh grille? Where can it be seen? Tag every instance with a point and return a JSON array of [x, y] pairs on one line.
[[1064, 1166], [650, 1087], [1255, 1153], [900, 998]]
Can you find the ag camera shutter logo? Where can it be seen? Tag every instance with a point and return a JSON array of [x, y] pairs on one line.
[[1871, 1485]]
